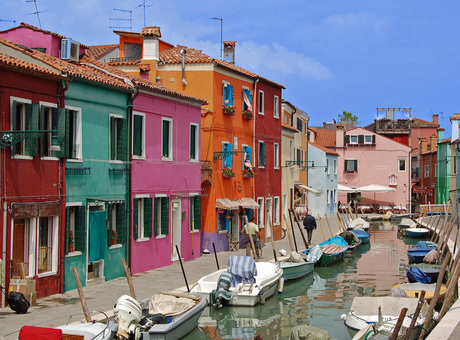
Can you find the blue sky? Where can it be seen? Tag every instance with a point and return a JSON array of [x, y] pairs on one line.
[[331, 55]]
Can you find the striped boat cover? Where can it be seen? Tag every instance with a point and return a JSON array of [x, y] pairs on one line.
[[242, 268], [332, 249], [223, 286]]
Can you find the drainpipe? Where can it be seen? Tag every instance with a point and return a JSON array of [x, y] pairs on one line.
[[183, 52], [254, 131]]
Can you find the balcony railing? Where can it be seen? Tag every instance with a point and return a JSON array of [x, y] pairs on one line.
[[388, 126]]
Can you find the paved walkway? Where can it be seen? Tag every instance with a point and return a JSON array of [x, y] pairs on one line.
[[101, 297]]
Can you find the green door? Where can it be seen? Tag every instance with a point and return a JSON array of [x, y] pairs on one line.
[[97, 235]]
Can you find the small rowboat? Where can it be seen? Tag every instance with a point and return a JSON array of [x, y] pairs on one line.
[[333, 251], [364, 236], [352, 239], [416, 232], [430, 270], [413, 290]]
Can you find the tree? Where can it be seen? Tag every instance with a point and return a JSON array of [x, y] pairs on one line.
[[348, 118]]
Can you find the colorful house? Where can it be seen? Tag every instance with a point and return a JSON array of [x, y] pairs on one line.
[[32, 174], [288, 174], [428, 155]]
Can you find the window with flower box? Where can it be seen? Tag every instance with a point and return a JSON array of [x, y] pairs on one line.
[[116, 213], [247, 104], [351, 165], [75, 222], [142, 218], [227, 99]]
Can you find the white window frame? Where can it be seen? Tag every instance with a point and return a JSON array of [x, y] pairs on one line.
[[276, 155], [142, 156], [48, 107], [197, 144], [260, 212], [328, 198], [54, 240], [259, 154], [405, 164], [291, 152], [328, 168], [158, 211], [336, 198], [23, 118], [261, 98], [170, 141], [276, 110], [365, 139], [276, 210], [140, 218], [353, 137], [78, 135], [335, 167], [117, 117]]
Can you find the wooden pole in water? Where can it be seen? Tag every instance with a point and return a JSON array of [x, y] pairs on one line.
[[215, 255], [324, 235], [271, 239], [182, 267], [339, 222], [289, 233], [436, 227], [434, 300], [293, 230], [394, 336], [84, 306], [446, 237], [254, 253], [416, 313], [327, 220], [452, 269], [129, 278], [301, 232], [450, 293]]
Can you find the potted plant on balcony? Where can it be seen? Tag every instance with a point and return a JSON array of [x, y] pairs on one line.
[[114, 237], [227, 172], [228, 109], [71, 242], [247, 114], [248, 173]]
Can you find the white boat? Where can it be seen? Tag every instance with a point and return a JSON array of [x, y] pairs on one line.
[[296, 266], [365, 311], [244, 283], [358, 223], [407, 223]]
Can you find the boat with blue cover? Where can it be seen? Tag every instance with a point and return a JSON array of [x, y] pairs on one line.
[[364, 236], [333, 250], [417, 253]]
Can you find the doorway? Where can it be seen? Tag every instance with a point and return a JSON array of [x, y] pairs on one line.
[[176, 229], [20, 251], [97, 241], [268, 218]]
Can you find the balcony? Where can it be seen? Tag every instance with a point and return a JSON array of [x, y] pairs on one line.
[[393, 127]]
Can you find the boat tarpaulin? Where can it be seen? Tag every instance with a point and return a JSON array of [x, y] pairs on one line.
[[169, 305], [39, 333], [248, 203], [306, 187], [242, 268], [227, 204]]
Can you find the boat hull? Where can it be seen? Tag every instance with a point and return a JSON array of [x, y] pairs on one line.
[[364, 236], [416, 232], [330, 259], [430, 270], [417, 254], [293, 270], [413, 290]]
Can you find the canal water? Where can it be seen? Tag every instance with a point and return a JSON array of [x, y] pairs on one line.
[[319, 299]]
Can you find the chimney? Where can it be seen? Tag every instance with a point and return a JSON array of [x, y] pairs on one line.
[[229, 51], [340, 135], [455, 132], [435, 118], [151, 49]]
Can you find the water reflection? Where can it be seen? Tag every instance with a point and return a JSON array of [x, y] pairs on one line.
[[320, 298]]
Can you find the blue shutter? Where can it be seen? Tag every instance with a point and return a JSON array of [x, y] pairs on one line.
[[224, 94], [229, 158], [230, 94]]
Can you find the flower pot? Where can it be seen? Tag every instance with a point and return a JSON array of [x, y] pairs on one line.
[[248, 175], [226, 174], [71, 248], [114, 241]]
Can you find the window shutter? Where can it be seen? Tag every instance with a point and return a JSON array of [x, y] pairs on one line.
[[136, 218], [347, 139], [192, 142], [109, 218], [263, 154], [121, 139], [230, 156], [373, 139], [137, 135], [80, 228], [148, 217], [41, 127], [68, 139], [121, 223], [355, 165], [298, 157], [58, 123], [165, 149], [155, 215], [113, 141], [361, 139], [230, 94], [13, 123], [164, 215], [224, 94], [346, 165], [197, 213], [31, 124], [67, 229]]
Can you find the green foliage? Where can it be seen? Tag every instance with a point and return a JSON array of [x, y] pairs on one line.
[[348, 118]]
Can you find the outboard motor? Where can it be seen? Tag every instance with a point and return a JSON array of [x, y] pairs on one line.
[[222, 292], [128, 312]]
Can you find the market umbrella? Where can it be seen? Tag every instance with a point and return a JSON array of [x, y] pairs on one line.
[[375, 188], [343, 188]]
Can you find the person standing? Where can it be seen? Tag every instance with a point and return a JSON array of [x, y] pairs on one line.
[[250, 230], [309, 223]]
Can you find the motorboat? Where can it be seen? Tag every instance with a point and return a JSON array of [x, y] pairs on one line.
[[383, 311], [414, 289], [415, 232], [333, 250], [364, 236], [296, 265], [243, 283], [352, 240]]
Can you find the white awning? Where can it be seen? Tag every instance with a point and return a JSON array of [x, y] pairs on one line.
[[306, 187], [343, 188], [248, 203], [227, 204]]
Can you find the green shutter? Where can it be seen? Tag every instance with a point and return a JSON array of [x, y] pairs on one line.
[[136, 218], [113, 141], [373, 139], [121, 139], [165, 142], [137, 135], [164, 215], [147, 217], [355, 165], [109, 218], [13, 123], [42, 127], [80, 228], [121, 223], [197, 213], [67, 229], [347, 139], [192, 141], [155, 216], [263, 154], [58, 123], [31, 123], [68, 134], [360, 139]]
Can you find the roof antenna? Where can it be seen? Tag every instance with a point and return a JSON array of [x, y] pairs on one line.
[[145, 6], [36, 12], [13, 21], [130, 19]]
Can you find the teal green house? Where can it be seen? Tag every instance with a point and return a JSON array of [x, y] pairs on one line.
[[443, 169], [97, 175]]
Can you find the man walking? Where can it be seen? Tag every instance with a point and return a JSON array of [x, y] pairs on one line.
[[250, 230], [309, 223]]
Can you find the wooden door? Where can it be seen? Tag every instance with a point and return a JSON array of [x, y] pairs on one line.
[[19, 245]]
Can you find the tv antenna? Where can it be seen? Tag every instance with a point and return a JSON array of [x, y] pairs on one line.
[[36, 12], [145, 6], [13, 21], [130, 19]]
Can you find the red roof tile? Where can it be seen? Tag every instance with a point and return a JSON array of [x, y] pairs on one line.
[[326, 138], [151, 32], [326, 150], [98, 51], [14, 64], [289, 127], [417, 122]]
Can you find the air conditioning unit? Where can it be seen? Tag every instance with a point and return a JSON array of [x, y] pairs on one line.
[[70, 50]]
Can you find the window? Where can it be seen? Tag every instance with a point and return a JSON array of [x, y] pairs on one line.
[[335, 196], [194, 139], [328, 197], [223, 220], [166, 139], [45, 245], [276, 150], [73, 134], [260, 212], [117, 138], [276, 109], [335, 167], [195, 213], [75, 221], [402, 167], [285, 119], [227, 94], [427, 171], [351, 165], [353, 139], [276, 207], [291, 150], [117, 223], [161, 221], [299, 156], [247, 100], [328, 168], [261, 102], [261, 154], [299, 124], [227, 157], [138, 138], [142, 218], [51, 118], [24, 116], [369, 139], [247, 154]]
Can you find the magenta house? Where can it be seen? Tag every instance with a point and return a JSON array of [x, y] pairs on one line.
[[165, 177]]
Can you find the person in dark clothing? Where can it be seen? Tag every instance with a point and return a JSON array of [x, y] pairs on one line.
[[309, 223]]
